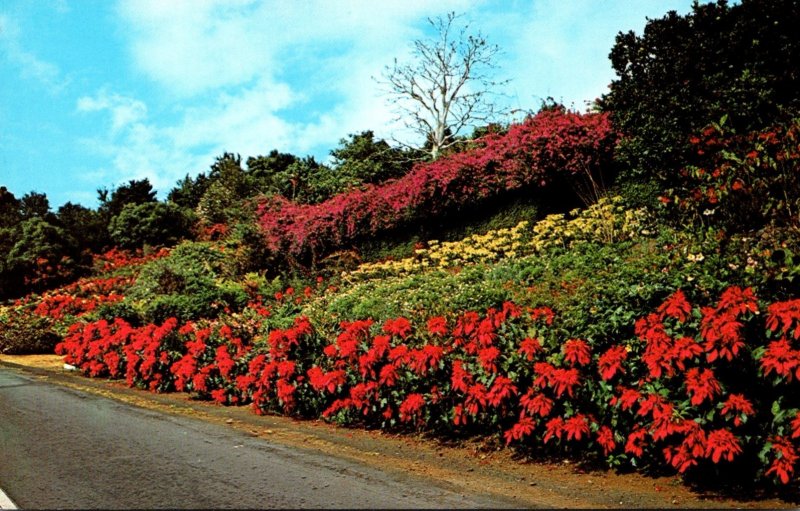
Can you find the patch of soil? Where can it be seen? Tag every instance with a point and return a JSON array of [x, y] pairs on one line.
[[469, 465], [51, 361]]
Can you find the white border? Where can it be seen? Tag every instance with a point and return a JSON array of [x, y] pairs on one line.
[[5, 502]]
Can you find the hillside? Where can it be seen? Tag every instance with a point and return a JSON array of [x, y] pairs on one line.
[[555, 286]]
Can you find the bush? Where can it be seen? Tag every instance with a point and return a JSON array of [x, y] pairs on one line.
[[22, 334], [191, 282], [545, 148], [746, 182], [705, 390]]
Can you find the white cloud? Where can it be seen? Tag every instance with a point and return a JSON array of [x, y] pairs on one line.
[[124, 111], [30, 66]]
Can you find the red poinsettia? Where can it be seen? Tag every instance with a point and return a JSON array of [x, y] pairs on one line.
[[701, 385], [610, 362], [577, 352]]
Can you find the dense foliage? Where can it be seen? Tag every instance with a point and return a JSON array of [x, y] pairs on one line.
[[684, 72], [551, 146]]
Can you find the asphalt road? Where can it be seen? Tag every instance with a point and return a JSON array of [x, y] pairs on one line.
[[61, 448]]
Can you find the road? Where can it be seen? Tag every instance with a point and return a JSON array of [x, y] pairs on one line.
[[61, 448]]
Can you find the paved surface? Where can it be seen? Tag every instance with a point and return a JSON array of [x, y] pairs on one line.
[[60, 448]]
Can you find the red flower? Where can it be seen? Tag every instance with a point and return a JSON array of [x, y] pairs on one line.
[[553, 428], [488, 358], [627, 398], [529, 347], [437, 326], [739, 406], [780, 358], [519, 430], [459, 417], [399, 355], [605, 439], [796, 426], [400, 327], [565, 380], [545, 313], [685, 349], [361, 394], [388, 375], [636, 441], [536, 403], [224, 361], [693, 447], [676, 306], [320, 380], [658, 349], [486, 333], [785, 317], [722, 444], [663, 422], [426, 358], [576, 352], [477, 398], [701, 385], [501, 390], [544, 373], [783, 465], [461, 379], [219, 395], [649, 404], [576, 427], [610, 362], [411, 406], [720, 326], [336, 406]]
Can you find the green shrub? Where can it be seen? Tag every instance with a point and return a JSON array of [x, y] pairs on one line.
[[192, 282], [22, 334]]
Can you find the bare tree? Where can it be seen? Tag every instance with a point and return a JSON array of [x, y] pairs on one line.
[[448, 84]]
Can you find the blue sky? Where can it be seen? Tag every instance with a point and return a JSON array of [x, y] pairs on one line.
[[97, 92]]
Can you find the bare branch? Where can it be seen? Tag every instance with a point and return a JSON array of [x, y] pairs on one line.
[[447, 86]]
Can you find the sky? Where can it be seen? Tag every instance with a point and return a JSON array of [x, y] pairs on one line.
[[95, 93]]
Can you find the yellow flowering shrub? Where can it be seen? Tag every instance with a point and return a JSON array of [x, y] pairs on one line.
[[605, 221]]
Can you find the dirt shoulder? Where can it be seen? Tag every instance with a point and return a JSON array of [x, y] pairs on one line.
[[469, 465]]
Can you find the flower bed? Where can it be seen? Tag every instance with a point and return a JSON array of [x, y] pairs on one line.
[[696, 387]]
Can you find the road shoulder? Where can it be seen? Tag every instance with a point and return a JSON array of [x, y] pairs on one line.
[[470, 465]]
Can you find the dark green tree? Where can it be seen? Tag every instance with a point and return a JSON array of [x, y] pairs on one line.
[[151, 223], [134, 192], [34, 204], [264, 168], [361, 158], [685, 72], [44, 254], [188, 191], [10, 214], [85, 225]]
